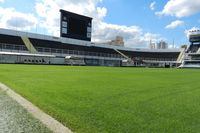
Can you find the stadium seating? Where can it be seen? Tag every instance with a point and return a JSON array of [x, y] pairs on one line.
[[55, 49]]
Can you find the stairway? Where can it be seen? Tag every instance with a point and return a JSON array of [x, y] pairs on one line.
[[28, 44], [128, 62], [126, 57], [181, 56], [198, 52]]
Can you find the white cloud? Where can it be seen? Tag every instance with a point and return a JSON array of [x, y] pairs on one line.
[[133, 35], [48, 11], [10, 18], [1, 1], [152, 5], [180, 8], [48, 19], [175, 24]]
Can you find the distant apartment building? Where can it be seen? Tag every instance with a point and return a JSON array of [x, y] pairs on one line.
[[162, 45], [152, 45], [119, 41]]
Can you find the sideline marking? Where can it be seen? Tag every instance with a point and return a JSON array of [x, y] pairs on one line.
[[46, 119]]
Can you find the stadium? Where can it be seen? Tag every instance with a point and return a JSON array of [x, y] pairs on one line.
[[74, 47], [96, 99]]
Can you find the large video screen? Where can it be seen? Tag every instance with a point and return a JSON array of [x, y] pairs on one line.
[[77, 27]]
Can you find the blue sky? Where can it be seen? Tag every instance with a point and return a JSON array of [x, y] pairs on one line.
[[137, 12], [138, 21]]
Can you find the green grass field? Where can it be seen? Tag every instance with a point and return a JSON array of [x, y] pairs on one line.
[[100, 99]]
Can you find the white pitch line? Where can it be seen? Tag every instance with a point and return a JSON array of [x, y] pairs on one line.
[[46, 119]]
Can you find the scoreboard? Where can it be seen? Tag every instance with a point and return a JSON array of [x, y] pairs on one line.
[[75, 26]]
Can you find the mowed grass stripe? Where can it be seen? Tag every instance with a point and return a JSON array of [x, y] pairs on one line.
[[103, 99]]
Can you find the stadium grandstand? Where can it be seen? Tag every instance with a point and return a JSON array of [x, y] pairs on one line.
[[192, 53], [74, 47]]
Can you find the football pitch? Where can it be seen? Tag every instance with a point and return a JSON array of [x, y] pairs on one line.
[[114, 100]]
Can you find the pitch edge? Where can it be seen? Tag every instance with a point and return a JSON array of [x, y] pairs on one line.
[[46, 119]]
